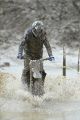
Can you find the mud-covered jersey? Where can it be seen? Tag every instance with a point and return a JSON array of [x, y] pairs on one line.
[[33, 46]]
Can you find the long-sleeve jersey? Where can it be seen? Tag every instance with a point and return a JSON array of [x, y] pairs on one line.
[[33, 46]]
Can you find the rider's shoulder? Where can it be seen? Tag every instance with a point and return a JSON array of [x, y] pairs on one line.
[[27, 34], [28, 31]]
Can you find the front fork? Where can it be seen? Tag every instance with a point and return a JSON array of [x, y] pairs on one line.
[[31, 81]]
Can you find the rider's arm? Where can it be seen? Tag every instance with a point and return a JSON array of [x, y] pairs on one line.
[[21, 47], [47, 45], [22, 44]]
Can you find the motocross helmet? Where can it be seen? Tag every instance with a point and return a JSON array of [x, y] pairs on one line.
[[37, 28]]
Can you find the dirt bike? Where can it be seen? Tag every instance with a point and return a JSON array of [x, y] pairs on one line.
[[36, 78], [36, 82]]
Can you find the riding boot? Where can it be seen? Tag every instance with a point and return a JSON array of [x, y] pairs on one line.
[[26, 78]]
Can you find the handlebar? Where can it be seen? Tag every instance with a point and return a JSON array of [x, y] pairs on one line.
[[42, 59], [47, 58]]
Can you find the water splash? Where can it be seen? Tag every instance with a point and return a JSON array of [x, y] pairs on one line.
[[63, 88], [56, 88]]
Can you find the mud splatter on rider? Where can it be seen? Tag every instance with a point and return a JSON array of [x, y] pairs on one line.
[[32, 44]]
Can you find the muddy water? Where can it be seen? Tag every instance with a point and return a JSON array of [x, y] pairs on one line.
[[58, 102], [21, 110], [61, 100]]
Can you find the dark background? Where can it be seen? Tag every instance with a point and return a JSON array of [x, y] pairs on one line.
[[61, 19]]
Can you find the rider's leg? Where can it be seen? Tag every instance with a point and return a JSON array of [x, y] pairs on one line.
[[26, 77], [43, 73], [26, 73], [43, 76]]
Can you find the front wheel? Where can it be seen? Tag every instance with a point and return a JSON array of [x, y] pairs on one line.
[[38, 87]]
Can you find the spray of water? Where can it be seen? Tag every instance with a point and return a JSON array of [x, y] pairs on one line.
[[56, 88]]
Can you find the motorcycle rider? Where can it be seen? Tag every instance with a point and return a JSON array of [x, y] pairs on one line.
[[32, 44]]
